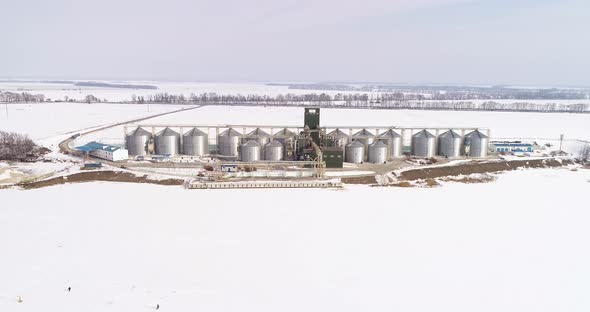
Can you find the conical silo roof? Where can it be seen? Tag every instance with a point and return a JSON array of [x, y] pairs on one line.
[[274, 143], [140, 132], [195, 132], [230, 132], [423, 134], [168, 132], [363, 133], [285, 133], [378, 144], [258, 132], [389, 134], [476, 134], [356, 144], [251, 143], [450, 134], [338, 134]]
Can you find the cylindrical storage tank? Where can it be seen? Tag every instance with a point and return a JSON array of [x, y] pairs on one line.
[[378, 153], [273, 151], [167, 142], [228, 142], [450, 144], [250, 151], [339, 138], [393, 140], [195, 143], [423, 144], [137, 142], [366, 138], [476, 144], [287, 139], [261, 137], [355, 152]]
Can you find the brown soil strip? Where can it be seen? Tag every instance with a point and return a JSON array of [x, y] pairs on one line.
[[482, 167], [359, 180], [108, 176]]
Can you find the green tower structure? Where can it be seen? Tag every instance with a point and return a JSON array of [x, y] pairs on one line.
[[311, 121]]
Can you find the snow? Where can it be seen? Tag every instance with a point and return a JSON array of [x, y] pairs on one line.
[[46, 120], [59, 91], [349, 173], [513, 245], [478, 247], [19, 172]]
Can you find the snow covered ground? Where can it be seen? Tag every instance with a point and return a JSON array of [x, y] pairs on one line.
[[59, 91], [55, 91], [46, 120], [514, 245]]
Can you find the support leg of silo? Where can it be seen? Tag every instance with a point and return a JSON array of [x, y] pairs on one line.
[[181, 147]]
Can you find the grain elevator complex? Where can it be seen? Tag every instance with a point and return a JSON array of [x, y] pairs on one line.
[[310, 145]]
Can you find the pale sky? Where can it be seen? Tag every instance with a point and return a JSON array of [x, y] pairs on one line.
[[526, 42]]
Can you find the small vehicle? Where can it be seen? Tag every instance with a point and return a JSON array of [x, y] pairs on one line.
[[139, 158]]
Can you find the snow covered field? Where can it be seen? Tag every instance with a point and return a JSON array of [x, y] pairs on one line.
[[360, 249], [56, 91], [59, 91], [41, 121], [513, 245]]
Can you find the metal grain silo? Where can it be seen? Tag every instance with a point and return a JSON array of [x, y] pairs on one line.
[[137, 142], [450, 144], [366, 138], [228, 142], [167, 142], [355, 152], [476, 144], [273, 151], [250, 151], [393, 140], [287, 139], [339, 138], [423, 144], [195, 143], [378, 152], [261, 137]]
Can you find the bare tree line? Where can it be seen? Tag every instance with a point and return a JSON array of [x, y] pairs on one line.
[[340, 100], [358, 100], [22, 97], [14, 146], [442, 92], [584, 153]]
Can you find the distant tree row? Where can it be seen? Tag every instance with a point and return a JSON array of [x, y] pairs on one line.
[[395, 100], [14, 146], [358, 100], [584, 153], [454, 93], [22, 97]]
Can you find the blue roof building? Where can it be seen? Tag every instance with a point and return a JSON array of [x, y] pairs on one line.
[[104, 151], [514, 147]]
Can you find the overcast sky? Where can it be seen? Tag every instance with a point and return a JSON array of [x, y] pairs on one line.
[[528, 42]]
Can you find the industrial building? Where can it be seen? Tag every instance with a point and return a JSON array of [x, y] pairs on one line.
[[512, 147], [310, 145], [104, 151]]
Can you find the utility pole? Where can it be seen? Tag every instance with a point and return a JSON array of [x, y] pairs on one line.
[[6, 107], [560, 142]]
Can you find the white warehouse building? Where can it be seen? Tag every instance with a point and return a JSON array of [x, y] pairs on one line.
[[104, 151]]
